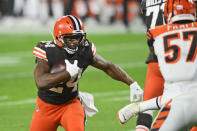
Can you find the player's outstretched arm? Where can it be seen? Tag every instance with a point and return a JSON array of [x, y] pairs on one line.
[[111, 69], [44, 79], [119, 74], [133, 109]]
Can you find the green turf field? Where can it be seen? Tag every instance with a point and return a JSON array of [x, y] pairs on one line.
[[18, 91]]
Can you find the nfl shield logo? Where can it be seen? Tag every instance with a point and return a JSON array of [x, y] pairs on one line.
[[37, 109]]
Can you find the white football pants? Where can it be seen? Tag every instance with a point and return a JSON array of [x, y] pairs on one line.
[[182, 114]]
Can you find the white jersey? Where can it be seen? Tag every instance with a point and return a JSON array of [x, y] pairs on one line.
[[175, 46]]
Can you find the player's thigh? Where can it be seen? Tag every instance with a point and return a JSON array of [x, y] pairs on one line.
[[46, 117], [175, 120], [154, 82], [42, 123], [73, 118]]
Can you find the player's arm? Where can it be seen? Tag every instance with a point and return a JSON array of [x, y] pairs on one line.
[[111, 69], [117, 73], [46, 80], [150, 41]]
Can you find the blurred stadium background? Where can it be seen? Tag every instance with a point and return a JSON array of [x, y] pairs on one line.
[[114, 26]]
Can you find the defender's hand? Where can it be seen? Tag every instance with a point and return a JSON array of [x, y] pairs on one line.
[[136, 92], [72, 69]]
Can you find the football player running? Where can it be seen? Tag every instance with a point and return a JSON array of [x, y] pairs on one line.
[[175, 47], [57, 101]]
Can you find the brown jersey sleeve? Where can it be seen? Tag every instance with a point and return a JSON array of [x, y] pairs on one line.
[[150, 40], [40, 51]]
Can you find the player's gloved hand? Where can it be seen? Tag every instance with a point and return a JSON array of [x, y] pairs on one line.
[[136, 92], [72, 69]]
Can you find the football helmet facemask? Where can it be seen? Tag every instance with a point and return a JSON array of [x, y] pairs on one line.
[[178, 10], [69, 33]]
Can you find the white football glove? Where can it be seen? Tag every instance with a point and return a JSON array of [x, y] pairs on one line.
[[72, 69], [136, 92]]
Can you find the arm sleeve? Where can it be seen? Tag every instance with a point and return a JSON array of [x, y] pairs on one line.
[[40, 51], [150, 40]]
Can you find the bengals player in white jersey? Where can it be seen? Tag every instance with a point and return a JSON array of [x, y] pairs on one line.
[[153, 14], [57, 101], [175, 47]]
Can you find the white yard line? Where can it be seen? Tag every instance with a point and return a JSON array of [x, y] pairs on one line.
[[114, 96], [111, 93], [20, 102], [16, 75], [33, 100], [3, 97], [9, 61], [116, 99]]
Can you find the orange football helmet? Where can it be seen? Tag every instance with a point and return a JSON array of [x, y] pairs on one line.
[[69, 26], [178, 10]]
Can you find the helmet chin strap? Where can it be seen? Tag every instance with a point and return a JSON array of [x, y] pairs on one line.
[[71, 51]]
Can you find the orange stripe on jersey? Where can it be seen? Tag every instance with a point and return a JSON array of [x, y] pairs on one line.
[[36, 50], [170, 27], [148, 35], [39, 56], [158, 30], [93, 49], [40, 53], [162, 117]]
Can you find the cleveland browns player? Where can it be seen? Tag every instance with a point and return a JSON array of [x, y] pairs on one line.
[[57, 101]]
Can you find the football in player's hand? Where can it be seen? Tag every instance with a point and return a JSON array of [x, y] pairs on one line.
[[59, 67]]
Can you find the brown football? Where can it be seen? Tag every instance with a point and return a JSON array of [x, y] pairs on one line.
[[59, 67]]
